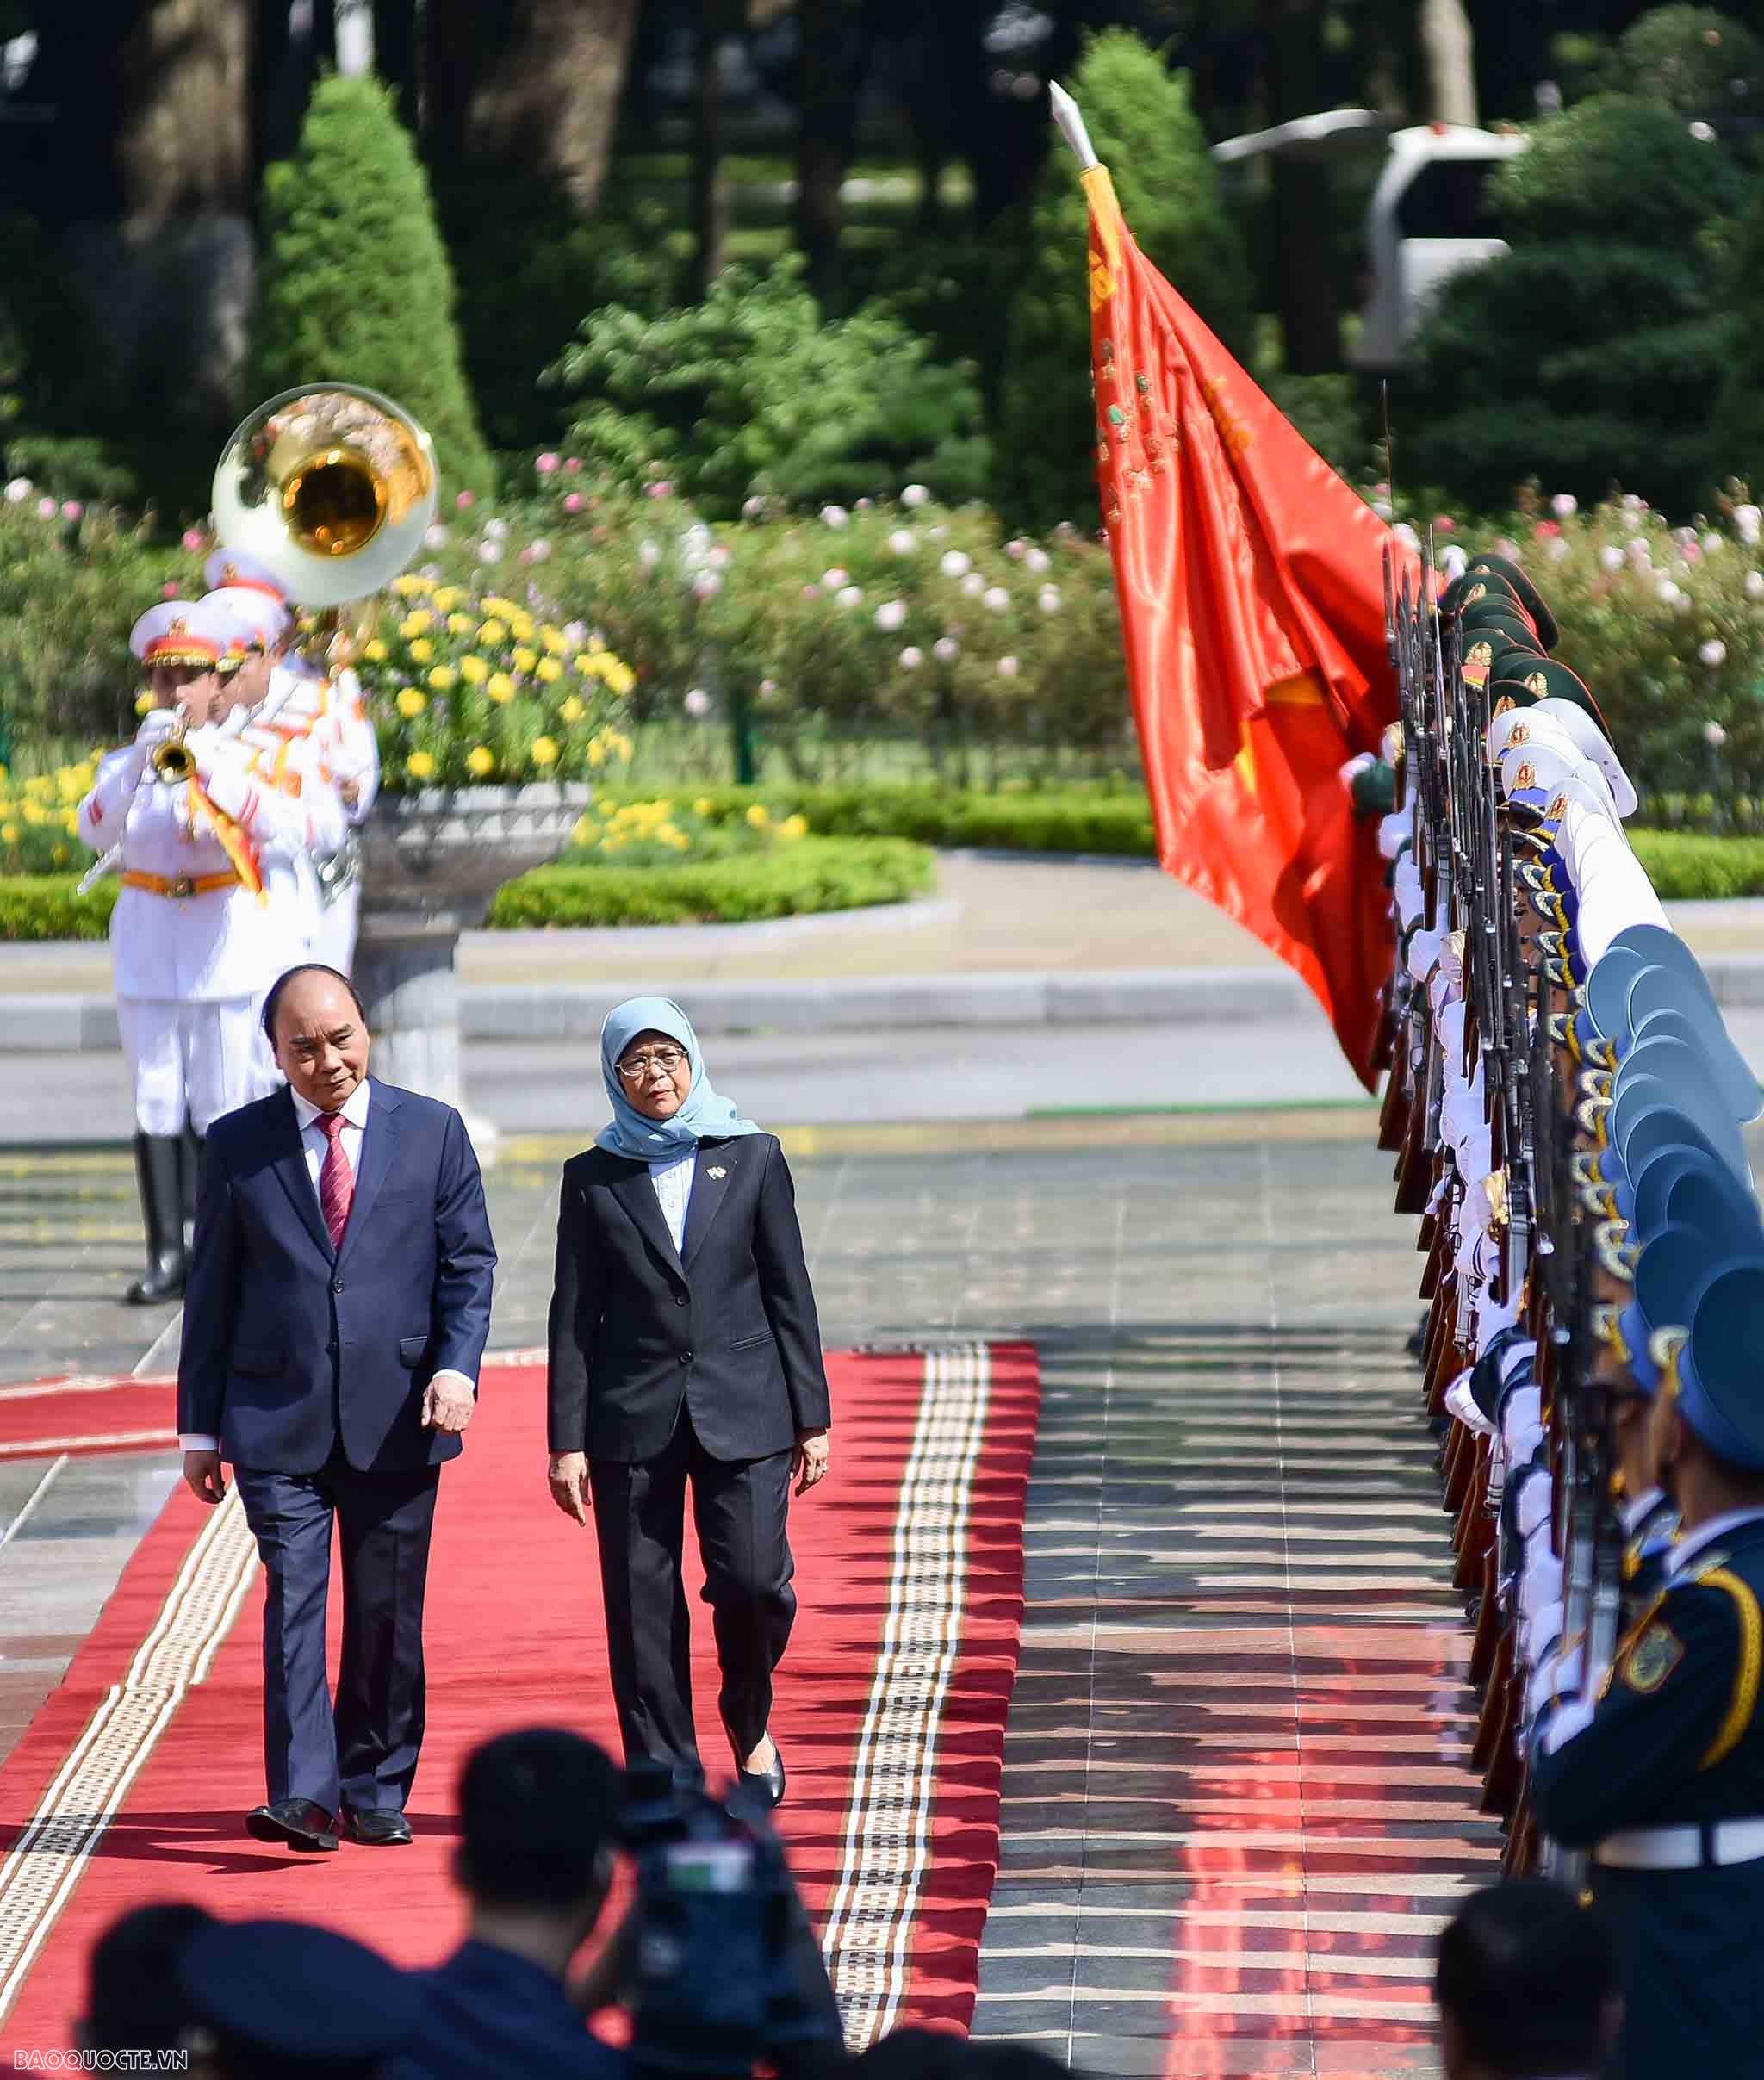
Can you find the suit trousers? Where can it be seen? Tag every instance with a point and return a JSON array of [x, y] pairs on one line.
[[740, 1510], [362, 1753]]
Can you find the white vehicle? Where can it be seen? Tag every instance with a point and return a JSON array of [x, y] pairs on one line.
[[1424, 223]]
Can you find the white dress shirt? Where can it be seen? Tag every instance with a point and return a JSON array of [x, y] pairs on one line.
[[672, 1176], [315, 1144]]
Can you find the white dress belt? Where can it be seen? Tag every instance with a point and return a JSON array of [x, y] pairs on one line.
[[1683, 1848]]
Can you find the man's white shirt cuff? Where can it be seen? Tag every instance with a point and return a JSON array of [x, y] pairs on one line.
[[193, 1442]]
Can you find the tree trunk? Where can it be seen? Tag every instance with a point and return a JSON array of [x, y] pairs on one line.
[[1444, 28], [1309, 288], [549, 90], [831, 84]]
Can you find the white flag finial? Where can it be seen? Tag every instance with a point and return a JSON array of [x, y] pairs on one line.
[[1071, 126]]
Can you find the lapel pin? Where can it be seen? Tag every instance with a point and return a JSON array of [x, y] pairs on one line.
[[718, 1171]]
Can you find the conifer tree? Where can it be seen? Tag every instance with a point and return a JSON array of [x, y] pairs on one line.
[[356, 285]]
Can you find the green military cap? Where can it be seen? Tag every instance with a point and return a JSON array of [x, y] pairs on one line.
[[1524, 681], [1515, 660], [1507, 621], [1480, 587], [1523, 590], [1373, 790]]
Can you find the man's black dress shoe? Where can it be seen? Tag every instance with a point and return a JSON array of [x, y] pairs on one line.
[[296, 1822], [764, 1784], [376, 1827]]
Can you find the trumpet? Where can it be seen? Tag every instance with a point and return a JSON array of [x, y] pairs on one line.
[[171, 758]]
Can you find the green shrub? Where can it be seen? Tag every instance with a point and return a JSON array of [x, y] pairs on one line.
[[45, 906], [1687, 867], [1613, 303], [1737, 431], [1692, 59], [813, 874], [753, 393], [354, 283], [1148, 135]]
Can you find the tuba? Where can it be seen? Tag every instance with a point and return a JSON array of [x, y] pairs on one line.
[[332, 486]]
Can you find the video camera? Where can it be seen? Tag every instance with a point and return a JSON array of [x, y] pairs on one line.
[[721, 1968]]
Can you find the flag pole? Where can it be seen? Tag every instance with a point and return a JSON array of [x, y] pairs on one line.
[[1071, 126]]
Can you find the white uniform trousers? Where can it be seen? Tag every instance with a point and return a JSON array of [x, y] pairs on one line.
[[334, 941], [191, 1061]]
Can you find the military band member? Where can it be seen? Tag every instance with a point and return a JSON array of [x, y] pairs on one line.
[[193, 947]]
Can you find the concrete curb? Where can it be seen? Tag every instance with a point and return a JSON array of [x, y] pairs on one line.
[[573, 1011]]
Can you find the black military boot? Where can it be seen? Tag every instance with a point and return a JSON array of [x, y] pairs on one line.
[[189, 1169], [159, 1164]]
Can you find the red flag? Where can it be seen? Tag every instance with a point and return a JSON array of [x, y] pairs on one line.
[[1251, 588]]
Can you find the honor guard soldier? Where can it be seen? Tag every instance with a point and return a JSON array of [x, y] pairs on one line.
[[192, 945], [301, 698], [1660, 1773]]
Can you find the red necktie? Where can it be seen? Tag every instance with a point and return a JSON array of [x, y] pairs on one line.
[[336, 1179]]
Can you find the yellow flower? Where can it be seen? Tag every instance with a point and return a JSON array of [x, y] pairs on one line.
[[417, 624], [526, 628], [495, 604], [597, 753], [407, 584], [9, 832], [5, 773], [143, 701], [553, 640], [793, 827], [585, 828], [549, 669], [501, 687], [422, 649], [411, 702], [680, 841], [375, 651], [584, 663], [492, 632], [419, 766], [620, 679], [545, 751], [459, 625], [70, 823], [442, 678], [58, 855], [473, 670], [759, 815], [478, 762], [703, 806], [524, 659], [573, 711], [445, 597], [669, 833], [34, 814]]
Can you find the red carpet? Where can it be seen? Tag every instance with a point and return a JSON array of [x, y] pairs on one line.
[[131, 1783], [84, 1413]]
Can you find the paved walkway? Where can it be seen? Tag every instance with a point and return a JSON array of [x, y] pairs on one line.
[[1235, 1809]]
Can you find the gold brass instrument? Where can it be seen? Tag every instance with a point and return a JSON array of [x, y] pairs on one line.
[[171, 758], [332, 486]]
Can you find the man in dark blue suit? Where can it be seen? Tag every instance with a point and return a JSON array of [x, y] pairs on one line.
[[337, 1305]]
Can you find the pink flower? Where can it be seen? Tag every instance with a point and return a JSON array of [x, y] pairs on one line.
[[706, 584], [572, 464], [46, 509], [1444, 523], [169, 590], [463, 501], [812, 592], [573, 503], [663, 490], [194, 540], [1007, 668], [1546, 530], [71, 509], [547, 464], [540, 550]]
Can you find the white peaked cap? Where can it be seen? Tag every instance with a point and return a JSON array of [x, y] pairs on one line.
[[228, 567], [1570, 716], [1611, 883], [264, 620]]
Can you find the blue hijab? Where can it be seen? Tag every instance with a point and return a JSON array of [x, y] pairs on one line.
[[705, 1117]]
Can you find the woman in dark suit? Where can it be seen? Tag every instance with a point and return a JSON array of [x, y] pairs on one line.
[[684, 1347]]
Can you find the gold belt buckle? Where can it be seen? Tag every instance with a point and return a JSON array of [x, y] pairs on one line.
[[181, 886]]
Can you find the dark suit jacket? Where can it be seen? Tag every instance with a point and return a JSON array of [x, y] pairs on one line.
[[729, 1328], [491, 2015], [289, 1346]]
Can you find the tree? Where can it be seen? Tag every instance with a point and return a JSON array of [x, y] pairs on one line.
[[1737, 434], [1149, 137], [1588, 354], [356, 283]]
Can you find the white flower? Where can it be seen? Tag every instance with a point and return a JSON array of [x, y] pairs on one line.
[[1713, 652], [489, 552], [540, 550], [434, 537], [575, 632], [1454, 562], [955, 562], [496, 529], [1037, 560], [752, 508], [903, 542], [707, 585], [890, 615], [1014, 548], [1703, 132], [997, 598], [649, 555], [835, 580], [696, 703], [1383, 508], [1684, 603], [1713, 544], [1714, 734], [835, 516], [1565, 505], [1747, 521], [1048, 599], [1611, 556], [1755, 585], [946, 647], [1559, 547], [1667, 593], [1631, 503], [1007, 668], [915, 494], [850, 595], [974, 585], [1407, 536], [721, 558], [19, 490], [940, 533], [911, 658]]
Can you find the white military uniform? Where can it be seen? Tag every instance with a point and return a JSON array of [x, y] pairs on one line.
[[332, 713]]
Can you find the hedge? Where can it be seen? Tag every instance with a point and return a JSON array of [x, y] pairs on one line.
[[813, 874], [1076, 820], [46, 906], [1689, 867]]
